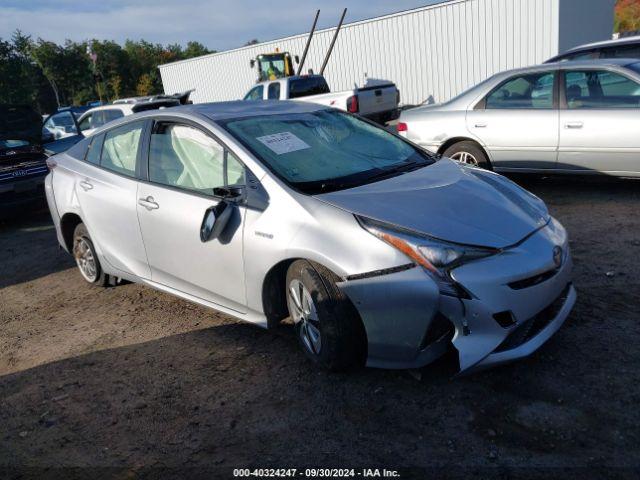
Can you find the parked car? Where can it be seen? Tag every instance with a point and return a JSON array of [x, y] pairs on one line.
[[628, 47], [265, 210], [22, 159], [99, 116], [567, 117], [378, 100]]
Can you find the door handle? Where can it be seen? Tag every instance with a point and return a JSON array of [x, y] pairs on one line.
[[148, 203], [574, 125], [481, 125], [86, 185]]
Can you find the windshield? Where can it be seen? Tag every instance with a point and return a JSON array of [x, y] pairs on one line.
[[271, 66], [325, 151], [13, 143], [635, 67]]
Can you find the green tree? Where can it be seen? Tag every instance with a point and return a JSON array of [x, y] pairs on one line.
[[112, 68], [21, 81], [196, 49], [45, 74], [65, 66], [145, 85]]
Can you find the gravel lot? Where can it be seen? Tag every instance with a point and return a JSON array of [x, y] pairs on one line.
[[127, 382]]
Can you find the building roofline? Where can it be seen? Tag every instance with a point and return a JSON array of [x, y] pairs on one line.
[[439, 4]]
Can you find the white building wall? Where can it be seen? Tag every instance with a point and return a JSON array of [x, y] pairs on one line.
[[435, 51]]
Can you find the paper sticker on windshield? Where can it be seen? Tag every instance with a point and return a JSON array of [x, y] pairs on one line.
[[285, 142]]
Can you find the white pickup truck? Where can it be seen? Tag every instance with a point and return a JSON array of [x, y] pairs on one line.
[[377, 100]]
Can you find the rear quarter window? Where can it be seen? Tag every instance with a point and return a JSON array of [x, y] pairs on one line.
[[79, 150], [94, 149]]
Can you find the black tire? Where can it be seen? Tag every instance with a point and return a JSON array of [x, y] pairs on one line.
[[343, 340], [82, 240], [470, 148]]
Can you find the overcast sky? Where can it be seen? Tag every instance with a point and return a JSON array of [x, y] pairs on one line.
[[218, 24]]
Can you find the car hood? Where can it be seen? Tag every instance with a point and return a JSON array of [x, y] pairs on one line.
[[451, 202], [19, 122]]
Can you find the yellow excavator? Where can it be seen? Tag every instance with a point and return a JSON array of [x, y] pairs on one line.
[[272, 66]]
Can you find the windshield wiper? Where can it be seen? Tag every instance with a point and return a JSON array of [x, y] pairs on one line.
[[405, 167], [363, 178]]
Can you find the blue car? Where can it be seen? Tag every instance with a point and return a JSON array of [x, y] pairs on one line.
[[22, 159]]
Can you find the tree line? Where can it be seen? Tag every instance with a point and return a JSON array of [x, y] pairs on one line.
[[47, 75], [627, 16]]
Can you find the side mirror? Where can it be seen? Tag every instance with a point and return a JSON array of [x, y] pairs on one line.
[[214, 221], [228, 192], [252, 63], [297, 58]]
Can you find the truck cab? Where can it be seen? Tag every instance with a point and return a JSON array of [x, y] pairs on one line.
[[377, 100]]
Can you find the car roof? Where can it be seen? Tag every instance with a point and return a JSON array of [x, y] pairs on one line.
[[289, 78], [601, 62], [604, 43], [242, 108], [220, 111], [126, 108]]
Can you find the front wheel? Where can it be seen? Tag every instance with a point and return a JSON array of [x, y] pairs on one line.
[[327, 325], [469, 153], [86, 257]]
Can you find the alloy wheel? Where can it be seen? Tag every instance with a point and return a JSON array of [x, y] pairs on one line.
[[305, 315], [465, 157], [85, 260]]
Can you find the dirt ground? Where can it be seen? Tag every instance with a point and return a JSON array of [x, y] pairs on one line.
[[127, 382]]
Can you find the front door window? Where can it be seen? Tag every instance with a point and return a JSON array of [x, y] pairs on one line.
[[185, 157], [530, 91]]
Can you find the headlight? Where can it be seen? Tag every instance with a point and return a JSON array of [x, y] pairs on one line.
[[436, 256]]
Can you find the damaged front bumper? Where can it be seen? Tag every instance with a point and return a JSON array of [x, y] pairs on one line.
[[518, 300]]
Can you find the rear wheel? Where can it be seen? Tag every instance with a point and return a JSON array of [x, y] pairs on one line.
[[327, 324], [469, 153], [86, 257]]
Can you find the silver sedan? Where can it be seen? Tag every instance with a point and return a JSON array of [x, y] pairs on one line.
[[376, 250], [569, 117]]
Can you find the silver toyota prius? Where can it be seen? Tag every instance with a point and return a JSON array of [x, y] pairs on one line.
[[378, 252]]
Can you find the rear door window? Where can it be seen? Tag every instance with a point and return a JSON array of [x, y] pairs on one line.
[[600, 89], [588, 55], [109, 115], [97, 120], [530, 91], [307, 86], [120, 149], [622, 51], [274, 91]]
